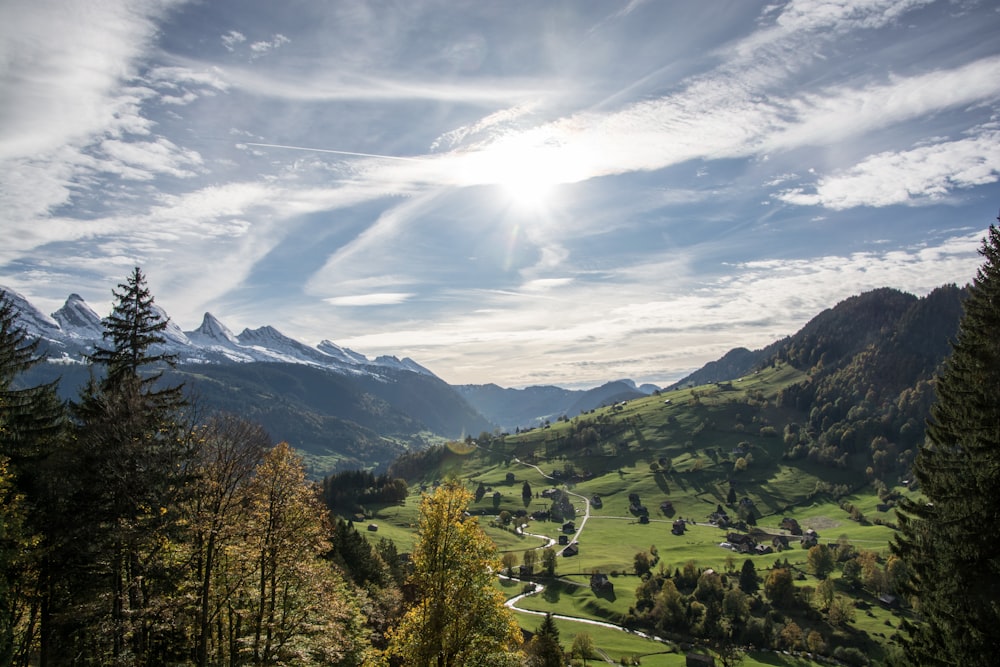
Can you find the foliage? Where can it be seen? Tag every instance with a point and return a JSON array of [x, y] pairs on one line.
[[457, 616], [351, 490], [944, 537]]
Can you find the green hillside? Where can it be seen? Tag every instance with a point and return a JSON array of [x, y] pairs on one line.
[[683, 447]]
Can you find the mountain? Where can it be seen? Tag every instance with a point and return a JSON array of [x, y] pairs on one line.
[[339, 408], [532, 406]]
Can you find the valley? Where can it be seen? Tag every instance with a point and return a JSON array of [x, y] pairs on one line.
[[677, 452]]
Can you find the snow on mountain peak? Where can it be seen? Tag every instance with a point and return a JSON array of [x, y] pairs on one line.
[[213, 329], [77, 319], [75, 329]]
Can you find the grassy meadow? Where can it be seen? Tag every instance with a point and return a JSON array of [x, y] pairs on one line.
[[681, 447]]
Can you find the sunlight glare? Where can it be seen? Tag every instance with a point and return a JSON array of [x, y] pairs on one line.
[[526, 173]]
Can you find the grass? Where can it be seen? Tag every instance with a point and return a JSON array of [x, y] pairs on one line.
[[697, 431]]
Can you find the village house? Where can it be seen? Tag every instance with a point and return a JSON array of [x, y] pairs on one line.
[[599, 583], [791, 525]]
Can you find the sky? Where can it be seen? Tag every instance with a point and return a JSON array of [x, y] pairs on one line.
[[513, 192]]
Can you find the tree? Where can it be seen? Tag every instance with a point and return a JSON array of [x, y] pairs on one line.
[[549, 561], [583, 647], [530, 558], [824, 594], [294, 602], [230, 451], [509, 560], [820, 561], [749, 582], [954, 564], [643, 563], [32, 426], [779, 587], [458, 616], [526, 492], [132, 452], [544, 649]]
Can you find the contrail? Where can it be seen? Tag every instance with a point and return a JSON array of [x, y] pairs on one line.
[[327, 150]]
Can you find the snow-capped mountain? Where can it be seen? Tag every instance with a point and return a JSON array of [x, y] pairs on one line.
[[72, 332]]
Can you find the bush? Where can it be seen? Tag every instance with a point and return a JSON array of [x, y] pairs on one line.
[[851, 656]]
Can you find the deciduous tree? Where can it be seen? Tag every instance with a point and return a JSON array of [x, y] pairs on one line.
[[458, 616]]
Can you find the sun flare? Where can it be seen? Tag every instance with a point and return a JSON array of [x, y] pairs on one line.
[[527, 175]]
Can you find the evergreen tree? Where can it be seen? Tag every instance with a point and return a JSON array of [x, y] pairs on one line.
[[544, 649], [944, 537], [130, 475], [32, 426], [749, 582]]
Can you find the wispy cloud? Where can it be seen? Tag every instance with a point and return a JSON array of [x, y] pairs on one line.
[[923, 175]]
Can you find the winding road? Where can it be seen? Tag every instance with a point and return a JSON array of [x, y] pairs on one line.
[[512, 602]]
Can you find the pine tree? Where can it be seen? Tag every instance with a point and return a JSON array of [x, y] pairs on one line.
[[130, 469], [32, 426], [945, 537]]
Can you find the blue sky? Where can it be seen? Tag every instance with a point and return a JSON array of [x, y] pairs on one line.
[[511, 192]]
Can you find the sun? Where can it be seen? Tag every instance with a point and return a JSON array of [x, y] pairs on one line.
[[527, 176], [525, 188]]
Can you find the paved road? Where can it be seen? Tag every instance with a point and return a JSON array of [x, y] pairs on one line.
[[585, 499]]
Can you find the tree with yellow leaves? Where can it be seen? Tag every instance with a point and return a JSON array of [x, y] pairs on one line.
[[458, 616]]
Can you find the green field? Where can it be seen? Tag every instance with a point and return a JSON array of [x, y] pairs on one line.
[[701, 432]]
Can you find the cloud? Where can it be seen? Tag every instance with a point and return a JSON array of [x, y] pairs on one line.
[[374, 299], [923, 175], [231, 39], [263, 47]]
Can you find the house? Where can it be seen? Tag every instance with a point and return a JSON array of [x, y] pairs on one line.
[[741, 538], [679, 527], [571, 550], [568, 527], [599, 583], [541, 515], [644, 518], [809, 539], [666, 507], [596, 501], [888, 601], [550, 493], [791, 525], [373, 527], [763, 550], [563, 540], [780, 542]]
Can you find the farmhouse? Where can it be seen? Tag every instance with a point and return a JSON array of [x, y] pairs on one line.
[[599, 583], [571, 550], [679, 527], [791, 525]]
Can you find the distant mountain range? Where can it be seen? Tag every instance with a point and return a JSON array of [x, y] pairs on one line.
[[344, 410]]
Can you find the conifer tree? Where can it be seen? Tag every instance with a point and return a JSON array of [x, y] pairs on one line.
[[946, 539], [32, 424], [131, 459]]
